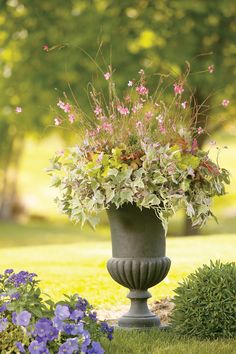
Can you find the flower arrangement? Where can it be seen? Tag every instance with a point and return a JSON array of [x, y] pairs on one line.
[[29, 324], [141, 149]]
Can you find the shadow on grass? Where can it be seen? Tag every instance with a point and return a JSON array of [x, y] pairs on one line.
[[45, 233]]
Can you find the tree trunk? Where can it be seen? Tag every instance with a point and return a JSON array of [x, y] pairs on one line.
[[10, 164]]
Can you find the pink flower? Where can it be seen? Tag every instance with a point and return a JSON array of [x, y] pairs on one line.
[[157, 104], [148, 115], [161, 126], [67, 108], [139, 124], [141, 72], [123, 110], [97, 110], [178, 89], [200, 130], [71, 118], [130, 83], [184, 104], [107, 76], [107, 127], [137, 107], [127, 98], [142, 90], [61, 104], [57, 121], [211, 69], [18, 109], [45, 47], [225, 103]]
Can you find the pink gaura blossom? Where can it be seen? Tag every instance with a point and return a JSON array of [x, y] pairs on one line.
[[123, 110], [211, 69], [148, 115], [45, 47], [157, 104], [141, 72], [142, 90], [18, 109], [225, 103], [64, 106], [200, 130], [107, 76], [178, 89], [161, 126], [71, 118], [139, 124], [97, 110], [137, 107], [130, 83], [57, 121], [107, 127], [127, 98], [67, 108], [184, 104]]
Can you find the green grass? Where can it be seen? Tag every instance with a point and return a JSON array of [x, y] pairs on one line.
[[69, 260], [156, 342]]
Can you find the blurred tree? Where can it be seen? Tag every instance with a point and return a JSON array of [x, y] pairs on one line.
[[155, 35]]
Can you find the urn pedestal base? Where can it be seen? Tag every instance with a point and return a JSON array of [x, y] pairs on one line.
[[138, 275], [139, 315]]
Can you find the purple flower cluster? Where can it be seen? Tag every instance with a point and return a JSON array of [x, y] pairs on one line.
[[105, 328], [20, 278], [64, 330]]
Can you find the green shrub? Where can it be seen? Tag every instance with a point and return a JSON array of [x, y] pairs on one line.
[[205, 302]]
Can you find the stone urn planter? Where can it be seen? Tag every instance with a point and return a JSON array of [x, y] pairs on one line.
[[138, 259]]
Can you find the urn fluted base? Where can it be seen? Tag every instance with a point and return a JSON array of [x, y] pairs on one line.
[[138, 275]]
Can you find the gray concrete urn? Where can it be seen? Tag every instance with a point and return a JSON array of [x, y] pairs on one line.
[[138, 259]]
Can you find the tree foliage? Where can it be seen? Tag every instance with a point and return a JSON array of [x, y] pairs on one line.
[[155, 35]]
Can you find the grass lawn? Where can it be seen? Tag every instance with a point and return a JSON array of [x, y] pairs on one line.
[[156, 342], [69, 260]]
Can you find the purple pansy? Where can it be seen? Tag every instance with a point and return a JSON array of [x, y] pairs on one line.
[[8, 271], [69, 347], [22, 318], [96, 349], [44, 329], [37, 347], [77, 315], [81, 304], [58, 323], [3, 308], [15, 296], [62, 312], [20, 347], [73, 329]]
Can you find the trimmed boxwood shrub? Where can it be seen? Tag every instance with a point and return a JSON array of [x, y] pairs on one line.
[[205, 302]]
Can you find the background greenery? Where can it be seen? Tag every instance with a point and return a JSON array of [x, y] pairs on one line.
[[158, 36]]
